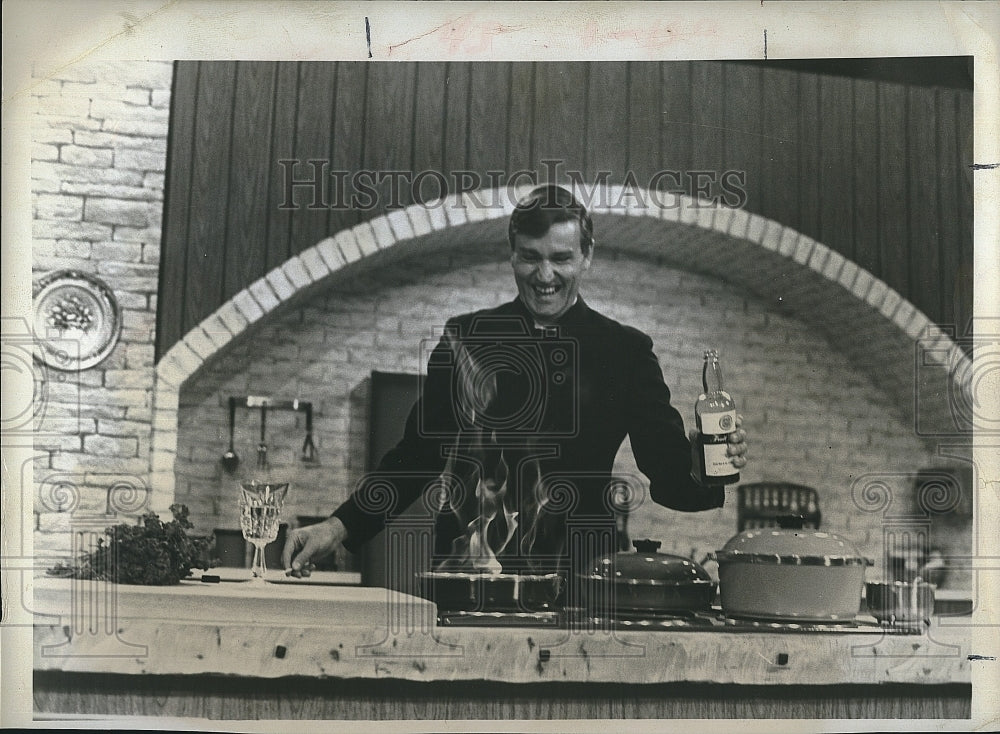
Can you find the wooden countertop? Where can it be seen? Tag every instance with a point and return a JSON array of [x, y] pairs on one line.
[[306, 629]]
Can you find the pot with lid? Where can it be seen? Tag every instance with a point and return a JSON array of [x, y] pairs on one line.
[[645, 582], [791, 574]]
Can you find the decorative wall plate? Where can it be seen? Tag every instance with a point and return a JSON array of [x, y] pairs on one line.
[[77, 320]]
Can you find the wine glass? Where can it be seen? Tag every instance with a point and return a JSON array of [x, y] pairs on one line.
[[260, 511]]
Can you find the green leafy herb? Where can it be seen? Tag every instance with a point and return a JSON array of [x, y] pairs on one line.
[[152, 552]]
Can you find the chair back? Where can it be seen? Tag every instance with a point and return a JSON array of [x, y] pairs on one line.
[[762, 503]]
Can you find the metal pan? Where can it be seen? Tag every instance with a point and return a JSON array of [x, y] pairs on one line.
[[469, 591], [900, 603]]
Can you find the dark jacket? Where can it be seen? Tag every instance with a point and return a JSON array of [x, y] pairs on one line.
[[505, 402]]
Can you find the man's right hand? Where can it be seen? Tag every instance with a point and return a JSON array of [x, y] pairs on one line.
[[313, 542]]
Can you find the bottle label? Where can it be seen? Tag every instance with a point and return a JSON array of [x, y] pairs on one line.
[[718, 423], [717, 463]]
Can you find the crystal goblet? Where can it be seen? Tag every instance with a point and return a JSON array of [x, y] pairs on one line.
[[260, 513]]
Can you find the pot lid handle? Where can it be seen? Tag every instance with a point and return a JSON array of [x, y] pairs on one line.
[[646, 545], [791, 522]]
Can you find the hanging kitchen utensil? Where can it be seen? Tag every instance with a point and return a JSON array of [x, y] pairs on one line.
[[230, 461], [262, 446], [308, 447]]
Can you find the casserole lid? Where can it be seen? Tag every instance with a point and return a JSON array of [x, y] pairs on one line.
[[791, 544], [648, 567]]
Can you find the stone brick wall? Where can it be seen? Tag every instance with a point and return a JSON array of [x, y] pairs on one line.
[[813, 417], [97, 181], [99, 137]]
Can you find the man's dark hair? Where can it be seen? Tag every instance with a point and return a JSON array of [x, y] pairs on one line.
[[548, 205]]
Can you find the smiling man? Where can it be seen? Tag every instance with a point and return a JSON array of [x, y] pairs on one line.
[[524, 409], [551, 251]]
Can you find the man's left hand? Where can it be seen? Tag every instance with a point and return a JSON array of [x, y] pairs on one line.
[[736, 449]]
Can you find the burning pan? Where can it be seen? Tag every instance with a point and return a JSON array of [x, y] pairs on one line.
[[645, 581], [469, 591], [791, 574]]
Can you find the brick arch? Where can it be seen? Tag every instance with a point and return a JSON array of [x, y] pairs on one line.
[[800, 276]]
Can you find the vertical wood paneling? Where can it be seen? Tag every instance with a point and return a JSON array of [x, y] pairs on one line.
[[878, 170], [708, 112], [809, 173], [836, 116], [209, 184], [177, 206], [389, 119], [675, 126], [520, 153], [279, 221], [964, 278], [743, 132], [778, 192], [865, 202], [948, 162], [428, 121], [607, 96], [488, 119], [922, 205], [250, 169], [455, 146], [317, 90], [893, 225], [559, 116], [645, 115], [347, 154], [348, 699]]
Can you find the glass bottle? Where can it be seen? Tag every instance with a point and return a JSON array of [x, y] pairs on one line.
[[715, 417]]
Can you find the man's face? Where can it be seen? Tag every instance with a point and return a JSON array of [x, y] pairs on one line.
[[548, 270]]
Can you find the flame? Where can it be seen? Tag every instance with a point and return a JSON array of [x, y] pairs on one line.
[[490, 515], [484, 514]]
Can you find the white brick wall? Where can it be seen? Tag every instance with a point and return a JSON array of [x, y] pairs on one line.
[[98, 174], [99, 158], [813, 418]]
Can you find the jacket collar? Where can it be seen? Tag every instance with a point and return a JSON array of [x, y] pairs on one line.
[[574, 316]]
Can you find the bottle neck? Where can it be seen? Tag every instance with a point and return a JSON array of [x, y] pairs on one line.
[[711, 376]]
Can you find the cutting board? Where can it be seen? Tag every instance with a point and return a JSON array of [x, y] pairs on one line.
[[228, 603]]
